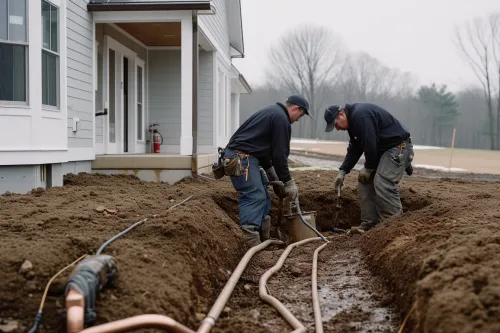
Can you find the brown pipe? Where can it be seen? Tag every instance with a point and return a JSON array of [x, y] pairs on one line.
[[141, 321], [209, 321], [75, 310], [318, 322], [289, 317]]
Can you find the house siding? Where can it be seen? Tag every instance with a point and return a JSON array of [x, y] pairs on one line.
[[80, 71], [205, 98], [165, 93], [217, 26]]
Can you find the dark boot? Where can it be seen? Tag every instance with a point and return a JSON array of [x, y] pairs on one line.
[[251, 235], [265, 229]]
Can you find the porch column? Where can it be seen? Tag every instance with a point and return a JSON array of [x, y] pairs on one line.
[[186, 140]]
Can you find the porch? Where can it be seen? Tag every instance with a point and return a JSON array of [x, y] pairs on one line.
[[153, 167], [166, 68]]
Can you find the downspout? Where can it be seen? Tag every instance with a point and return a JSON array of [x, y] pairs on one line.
[[194, 159]]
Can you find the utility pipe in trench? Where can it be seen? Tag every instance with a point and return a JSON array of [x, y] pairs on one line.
[[318, 322], [169, 324], [289, 317]]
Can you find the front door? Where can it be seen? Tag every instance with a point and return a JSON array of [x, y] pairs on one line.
[[118, 75]]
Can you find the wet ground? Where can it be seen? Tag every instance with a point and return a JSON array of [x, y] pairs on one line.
[[441, 256]]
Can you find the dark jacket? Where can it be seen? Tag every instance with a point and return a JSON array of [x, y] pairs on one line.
[[372, 131], [266, 135]]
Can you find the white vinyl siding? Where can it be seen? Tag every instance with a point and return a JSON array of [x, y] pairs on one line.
[[217, 26], [205, 98], [80, 73], [165, 93]]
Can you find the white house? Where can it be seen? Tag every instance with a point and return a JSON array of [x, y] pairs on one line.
[[82, 80]]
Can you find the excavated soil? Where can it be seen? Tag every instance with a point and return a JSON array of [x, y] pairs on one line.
[[440, 257]]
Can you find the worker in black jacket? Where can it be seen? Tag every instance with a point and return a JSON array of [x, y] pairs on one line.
[[262, 141], [388, 150]]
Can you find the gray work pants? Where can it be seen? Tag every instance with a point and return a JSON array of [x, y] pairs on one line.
[[380, 199]]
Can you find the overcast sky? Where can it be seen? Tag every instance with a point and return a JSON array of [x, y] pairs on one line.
[[412, 35]]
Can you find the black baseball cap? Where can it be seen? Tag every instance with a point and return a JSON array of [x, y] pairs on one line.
[[331, 113], [300, 101]]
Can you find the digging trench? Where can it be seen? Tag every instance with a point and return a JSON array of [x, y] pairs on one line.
[[351, 298]]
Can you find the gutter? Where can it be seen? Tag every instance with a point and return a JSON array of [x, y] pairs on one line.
[[134, 5]]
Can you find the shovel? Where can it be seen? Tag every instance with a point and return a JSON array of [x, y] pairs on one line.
[[337, 215]]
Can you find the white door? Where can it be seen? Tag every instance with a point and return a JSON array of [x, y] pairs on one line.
[[120, 98]]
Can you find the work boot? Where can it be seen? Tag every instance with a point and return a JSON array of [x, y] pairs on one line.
[[361, 229], [265, 229], [251, 235]]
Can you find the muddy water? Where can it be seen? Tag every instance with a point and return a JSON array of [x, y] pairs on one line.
[[351, 300]]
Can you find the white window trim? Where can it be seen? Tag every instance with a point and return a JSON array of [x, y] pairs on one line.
[[142, 64], [47, 107], [21, 104]]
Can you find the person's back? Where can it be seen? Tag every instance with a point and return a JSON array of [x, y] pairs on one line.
[[257, 134], [388, 131]]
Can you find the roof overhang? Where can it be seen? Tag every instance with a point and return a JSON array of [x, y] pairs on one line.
[[235, 28], [238, 82], [151, 5]]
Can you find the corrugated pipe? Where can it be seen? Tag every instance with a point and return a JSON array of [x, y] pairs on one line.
[[289, 317]]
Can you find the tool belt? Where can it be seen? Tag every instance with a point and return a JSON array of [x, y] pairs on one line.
[[230, 166]]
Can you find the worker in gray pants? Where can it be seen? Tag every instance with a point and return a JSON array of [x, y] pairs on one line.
[[388, 151]]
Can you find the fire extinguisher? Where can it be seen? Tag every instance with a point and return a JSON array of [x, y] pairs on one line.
[[156, 138]]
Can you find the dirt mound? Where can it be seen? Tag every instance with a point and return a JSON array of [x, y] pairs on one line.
[[444, 257], [442, 254], [166, 265]]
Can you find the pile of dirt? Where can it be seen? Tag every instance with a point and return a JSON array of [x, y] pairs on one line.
[[171, 264], [441, 254], [442, 259]]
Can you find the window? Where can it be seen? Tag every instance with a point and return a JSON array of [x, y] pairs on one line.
[[50, 54], [139, 104], [13, 51]]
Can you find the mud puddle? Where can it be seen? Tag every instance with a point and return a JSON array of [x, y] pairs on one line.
[[351, 300]]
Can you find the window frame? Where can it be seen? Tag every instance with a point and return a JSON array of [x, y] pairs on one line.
[[23, 104], [57, 54], [140, 64]]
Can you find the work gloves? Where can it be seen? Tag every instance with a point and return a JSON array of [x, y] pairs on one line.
[[271, 174], [339, 180], [289, 190], [365, 175]]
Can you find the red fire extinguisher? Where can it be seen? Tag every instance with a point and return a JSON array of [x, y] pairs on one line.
[[157, 138]]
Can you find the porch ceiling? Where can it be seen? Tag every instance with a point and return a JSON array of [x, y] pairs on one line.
[[155, 34]]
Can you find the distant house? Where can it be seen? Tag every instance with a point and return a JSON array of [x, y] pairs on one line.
[[82, 81]]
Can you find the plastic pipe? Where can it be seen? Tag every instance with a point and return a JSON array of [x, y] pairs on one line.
[[75, 311], [289, 317], [318, 322], [209, 321], [141, 321]]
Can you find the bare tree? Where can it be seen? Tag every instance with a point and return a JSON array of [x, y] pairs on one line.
[[305, 60], [479, 44], [365, 78]]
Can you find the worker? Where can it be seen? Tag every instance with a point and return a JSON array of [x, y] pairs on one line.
[[388, 151], [257, 154]]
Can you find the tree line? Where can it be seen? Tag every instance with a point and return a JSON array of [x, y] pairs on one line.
[[311, 60]]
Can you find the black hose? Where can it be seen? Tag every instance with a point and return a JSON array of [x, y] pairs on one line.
[[115, 237], [307, 224], [36, 322]]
